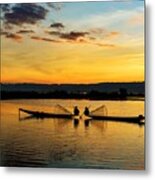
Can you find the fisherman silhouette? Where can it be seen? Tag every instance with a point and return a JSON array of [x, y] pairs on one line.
[[86, 111], [76, 111]]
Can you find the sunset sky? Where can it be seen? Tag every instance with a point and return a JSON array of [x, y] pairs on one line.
[[82, 42]]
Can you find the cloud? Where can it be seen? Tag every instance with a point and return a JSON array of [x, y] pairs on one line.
[[25, 31], [55, 33], [97, 30], [5, 7], [3, 32], [80, 37], [50, 40], [36, 37], [44, 39], [13, 36], [104, 32], [57, 6], [112, 34], [57, 25], [73, 35], [25, 13]]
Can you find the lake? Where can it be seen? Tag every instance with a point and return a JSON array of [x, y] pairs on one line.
[[60, 143]]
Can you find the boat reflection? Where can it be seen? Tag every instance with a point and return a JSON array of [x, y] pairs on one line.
[[87, 122], [76, 122]]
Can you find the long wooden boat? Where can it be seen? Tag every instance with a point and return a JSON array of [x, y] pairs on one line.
[[135, 119], [39, 114]]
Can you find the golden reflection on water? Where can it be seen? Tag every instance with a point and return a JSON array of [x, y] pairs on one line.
[[62, 143]]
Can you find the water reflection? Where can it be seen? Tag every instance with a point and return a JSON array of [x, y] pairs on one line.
[[87, 122], [100, 125], [76, 122], [26, 118], [51, 142]]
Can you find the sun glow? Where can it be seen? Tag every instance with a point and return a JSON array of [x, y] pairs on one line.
[[76, 50]]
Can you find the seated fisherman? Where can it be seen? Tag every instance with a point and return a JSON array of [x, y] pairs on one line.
[[76, 111], [86, 111]]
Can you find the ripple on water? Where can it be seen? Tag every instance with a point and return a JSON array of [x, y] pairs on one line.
[[59, 143]]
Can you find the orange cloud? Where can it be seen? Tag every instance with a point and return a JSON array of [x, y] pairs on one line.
[[104, 32], [15, 37], [25, 31], [97, 30], [112, 34], [44, 39]]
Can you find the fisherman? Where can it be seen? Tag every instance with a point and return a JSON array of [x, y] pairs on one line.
[[86, 111], [76, 111]]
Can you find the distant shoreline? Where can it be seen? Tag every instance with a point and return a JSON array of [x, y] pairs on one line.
[[101, 91], [112, 99]]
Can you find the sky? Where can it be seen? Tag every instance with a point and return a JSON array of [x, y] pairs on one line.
[[72, 42]]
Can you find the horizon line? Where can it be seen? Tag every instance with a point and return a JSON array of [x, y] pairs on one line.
[[36, 83]]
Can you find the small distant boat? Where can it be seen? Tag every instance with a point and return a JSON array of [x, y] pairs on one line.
[[40, 114]]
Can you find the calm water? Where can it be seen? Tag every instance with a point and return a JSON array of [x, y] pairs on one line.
[[59, 143]]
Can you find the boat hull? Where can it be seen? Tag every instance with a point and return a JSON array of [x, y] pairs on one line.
[[39, 114], [137, 119]]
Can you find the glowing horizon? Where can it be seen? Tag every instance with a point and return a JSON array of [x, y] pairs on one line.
[[80, 42]]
